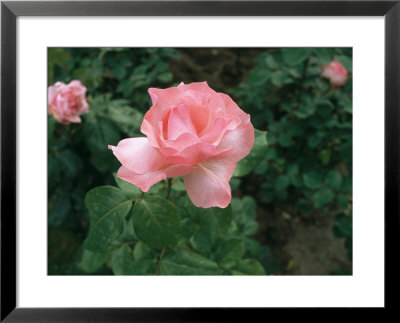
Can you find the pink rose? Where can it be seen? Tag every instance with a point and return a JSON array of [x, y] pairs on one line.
[[67, 101], [194, 132], [336, 73]]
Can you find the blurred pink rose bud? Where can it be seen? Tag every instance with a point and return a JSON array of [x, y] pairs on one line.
[[194, 132], [67, 101], [336, 73]]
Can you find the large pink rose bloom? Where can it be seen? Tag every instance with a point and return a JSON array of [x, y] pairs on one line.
[[67, 101], [335, 73], [194, 132]]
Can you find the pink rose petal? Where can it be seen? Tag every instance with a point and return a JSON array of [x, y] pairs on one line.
[[137, 155], [335, 73], [192, 131], [145, 181], [209, 186], [66, 102]]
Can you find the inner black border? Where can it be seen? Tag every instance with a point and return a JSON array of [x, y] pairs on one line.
[[11, 10]]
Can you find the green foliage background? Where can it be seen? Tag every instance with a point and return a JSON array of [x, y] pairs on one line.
[[301, 163]]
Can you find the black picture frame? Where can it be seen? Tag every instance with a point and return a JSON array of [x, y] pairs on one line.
[[10, 10]]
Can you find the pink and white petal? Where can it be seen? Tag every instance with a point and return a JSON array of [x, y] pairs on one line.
[[197, 153], [179, 122], [171, 147], [84, 107], [143, 181], [202, 94], [179, 170], [209, 186], [220, 126], [163, 101], [137, 155], [201, 117], [53, 90], [73, 119], [165, 98], [241, 140], [153, 133], [77, 84], [195, 86], [232, 108]]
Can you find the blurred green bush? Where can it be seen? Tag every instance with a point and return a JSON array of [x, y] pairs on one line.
[[308, 164]]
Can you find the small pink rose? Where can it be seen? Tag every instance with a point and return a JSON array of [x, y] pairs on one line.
[[67, 101], [194, 132], [336, 74]]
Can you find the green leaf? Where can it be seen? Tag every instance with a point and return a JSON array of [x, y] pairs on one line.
[[178, 186], [285, 140], [125, 118], [270, 61], [313, 141], [323, 197], [250, 228], [282, 182], [59, 207], [213, 220], [294, 56], [99, 133], [253, 247], [261, 168], [292, 170], [186, 262], [305, 110], [201, 241], [234, 183], [334, 179], [248, 267], [229, 252], [51, 125], [128, 233], [157, 189], [259, 76], [324, 54], [127, 187], [342, 202], [312, 180], [119, 72], [188, 228], [165, 77], [107, 207], [141, 251], [54, 172], [92, 261], [156, 222], [325, 156], [344, 225], [270, 264], [249, 207], [247, 164], [278, 78], [144, 267], [69, 163], [296, 181], [122, 261]]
